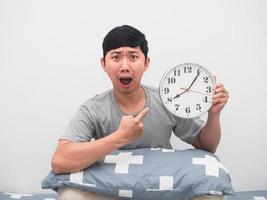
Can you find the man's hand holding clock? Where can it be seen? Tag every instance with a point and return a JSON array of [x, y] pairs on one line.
[[219, 100]]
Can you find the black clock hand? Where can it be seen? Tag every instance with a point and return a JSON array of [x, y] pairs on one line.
[[186, 90], [178, 95], [194, 80]]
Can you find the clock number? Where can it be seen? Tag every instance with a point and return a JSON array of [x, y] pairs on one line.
[[208, 89], [176, 107], [171, 80], [187, 69], [176, 72], [206, 99], [198, 107], [169, 100], [206, 79], [187, 110], [166, 90]]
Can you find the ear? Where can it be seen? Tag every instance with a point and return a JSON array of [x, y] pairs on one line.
[[103, 64], [147, 62]]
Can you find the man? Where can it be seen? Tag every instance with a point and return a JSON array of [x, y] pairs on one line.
[[129, 116]]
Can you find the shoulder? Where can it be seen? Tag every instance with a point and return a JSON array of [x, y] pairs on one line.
[[151, 90], [99, 98], [97, 102]]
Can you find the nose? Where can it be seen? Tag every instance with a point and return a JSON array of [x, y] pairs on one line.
[[125, 66]]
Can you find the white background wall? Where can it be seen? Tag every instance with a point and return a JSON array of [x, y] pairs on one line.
[[49, 65]]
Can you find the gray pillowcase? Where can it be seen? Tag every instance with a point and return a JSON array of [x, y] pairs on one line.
[[146, 173]]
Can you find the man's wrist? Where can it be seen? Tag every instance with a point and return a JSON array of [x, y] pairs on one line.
[[214, 115], [116, 140]]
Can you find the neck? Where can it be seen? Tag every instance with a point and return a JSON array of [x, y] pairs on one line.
[[132, 102]]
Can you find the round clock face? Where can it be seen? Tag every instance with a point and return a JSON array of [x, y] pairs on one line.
[[186, 90]]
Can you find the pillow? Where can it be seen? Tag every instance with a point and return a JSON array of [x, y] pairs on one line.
[[146, 173]]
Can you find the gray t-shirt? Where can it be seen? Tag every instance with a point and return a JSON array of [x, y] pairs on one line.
[[101, 116]]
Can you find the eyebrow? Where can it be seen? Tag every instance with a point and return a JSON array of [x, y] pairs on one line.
[[120, 52]]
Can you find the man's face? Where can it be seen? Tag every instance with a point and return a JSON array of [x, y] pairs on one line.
[[125, 67]]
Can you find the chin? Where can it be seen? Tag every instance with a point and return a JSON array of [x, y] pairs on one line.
[[127, 88]]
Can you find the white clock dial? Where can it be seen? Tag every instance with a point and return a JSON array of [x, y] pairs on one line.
[[186, 90]]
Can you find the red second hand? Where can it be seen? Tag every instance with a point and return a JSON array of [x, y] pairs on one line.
[[195, 91]]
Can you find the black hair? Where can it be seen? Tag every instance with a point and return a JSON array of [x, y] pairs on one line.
[[124, 35]]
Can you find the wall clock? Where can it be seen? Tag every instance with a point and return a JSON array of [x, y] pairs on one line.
[[186, 90]]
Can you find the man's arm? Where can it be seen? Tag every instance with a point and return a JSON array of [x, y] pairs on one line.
[[210, 135], [74, 156]]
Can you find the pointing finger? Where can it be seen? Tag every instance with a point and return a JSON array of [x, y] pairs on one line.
[[142, 114]]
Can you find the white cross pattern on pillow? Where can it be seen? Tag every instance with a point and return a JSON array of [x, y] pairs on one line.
[[123, 160], [126, 193], [18, 196], [212, 165], [77, 177], [163, 150], [165, 183], [259, 198]]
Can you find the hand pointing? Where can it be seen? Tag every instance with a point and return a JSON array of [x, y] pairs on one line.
[[142, 114], [131, 128]]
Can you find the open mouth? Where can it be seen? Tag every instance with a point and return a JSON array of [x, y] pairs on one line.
[[126, 80]]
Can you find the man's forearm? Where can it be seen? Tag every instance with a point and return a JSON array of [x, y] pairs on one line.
[[211, 133], [72, 157]]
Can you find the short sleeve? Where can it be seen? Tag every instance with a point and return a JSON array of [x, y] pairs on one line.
[[188, 129], [80, 127]]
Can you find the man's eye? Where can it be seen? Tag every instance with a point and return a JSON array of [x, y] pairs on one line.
[[134, 57], [115, 57]]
